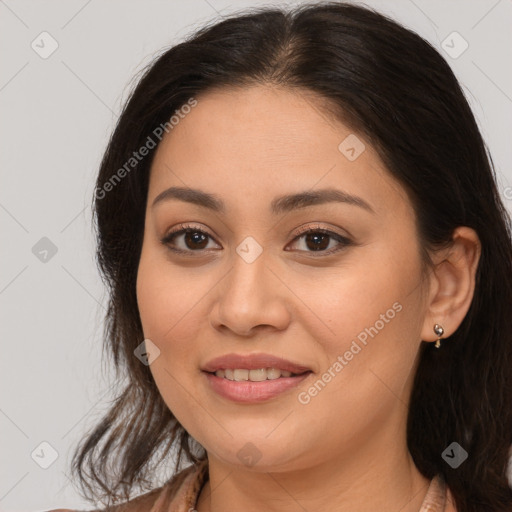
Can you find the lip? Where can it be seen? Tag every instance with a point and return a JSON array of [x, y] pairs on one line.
[[253, 392], [253, 362]]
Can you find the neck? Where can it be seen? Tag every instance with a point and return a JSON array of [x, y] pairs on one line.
[[376, 479]]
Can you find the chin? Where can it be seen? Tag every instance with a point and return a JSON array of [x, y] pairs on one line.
[[258, 456]]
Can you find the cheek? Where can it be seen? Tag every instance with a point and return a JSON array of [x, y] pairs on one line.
[[370, 358], [153, 299], [167, 296], [382, 291], [371, 315], [166, 302], [172, 303]]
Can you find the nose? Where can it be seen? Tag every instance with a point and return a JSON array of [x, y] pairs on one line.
[[251, 297]]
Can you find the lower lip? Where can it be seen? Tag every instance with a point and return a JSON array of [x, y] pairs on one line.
[[250, 392]]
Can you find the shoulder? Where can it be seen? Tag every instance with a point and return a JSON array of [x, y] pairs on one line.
[[141, 503], [145, 502]]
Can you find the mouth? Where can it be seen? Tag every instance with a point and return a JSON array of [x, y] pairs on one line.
[[253, 378]]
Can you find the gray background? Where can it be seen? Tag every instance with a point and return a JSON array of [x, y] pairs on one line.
[[57, 113]]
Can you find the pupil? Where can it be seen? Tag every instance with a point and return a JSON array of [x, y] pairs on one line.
[[315, 237], [194, 238]]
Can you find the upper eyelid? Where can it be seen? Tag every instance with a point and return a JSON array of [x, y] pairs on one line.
[[316, 227], [301, 231]]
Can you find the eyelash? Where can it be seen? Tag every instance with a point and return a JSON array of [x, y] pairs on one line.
[[184, 228]]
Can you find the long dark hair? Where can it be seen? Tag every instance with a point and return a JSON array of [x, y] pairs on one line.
[[396, 91]]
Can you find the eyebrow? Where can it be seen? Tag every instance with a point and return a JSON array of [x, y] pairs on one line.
[[281, 204]]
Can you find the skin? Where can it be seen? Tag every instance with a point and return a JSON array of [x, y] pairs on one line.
[[345, 449]]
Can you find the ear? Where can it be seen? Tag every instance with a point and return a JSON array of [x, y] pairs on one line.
[[452, 283]]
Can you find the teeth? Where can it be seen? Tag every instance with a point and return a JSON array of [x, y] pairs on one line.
[[257, 375], [273, 373], [241, 375]]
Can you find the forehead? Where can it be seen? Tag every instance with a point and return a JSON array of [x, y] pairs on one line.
[[228, 124], [258, 142]]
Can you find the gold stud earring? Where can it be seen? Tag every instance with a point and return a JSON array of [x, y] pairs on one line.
[[439, 331]]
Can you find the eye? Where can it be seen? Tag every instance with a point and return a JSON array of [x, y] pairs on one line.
[[194, 239], [318, 239]]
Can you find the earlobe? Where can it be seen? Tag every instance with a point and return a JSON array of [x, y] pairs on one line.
[[452, 285]]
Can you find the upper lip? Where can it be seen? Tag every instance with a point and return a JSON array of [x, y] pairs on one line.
[[252, 362]]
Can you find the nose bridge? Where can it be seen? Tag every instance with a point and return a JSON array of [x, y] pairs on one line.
[[249, 297], [249, 278]]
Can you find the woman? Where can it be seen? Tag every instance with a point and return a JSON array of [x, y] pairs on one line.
[[310, 275]]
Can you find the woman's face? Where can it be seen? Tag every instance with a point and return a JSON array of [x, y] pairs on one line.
[[249, 281]]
